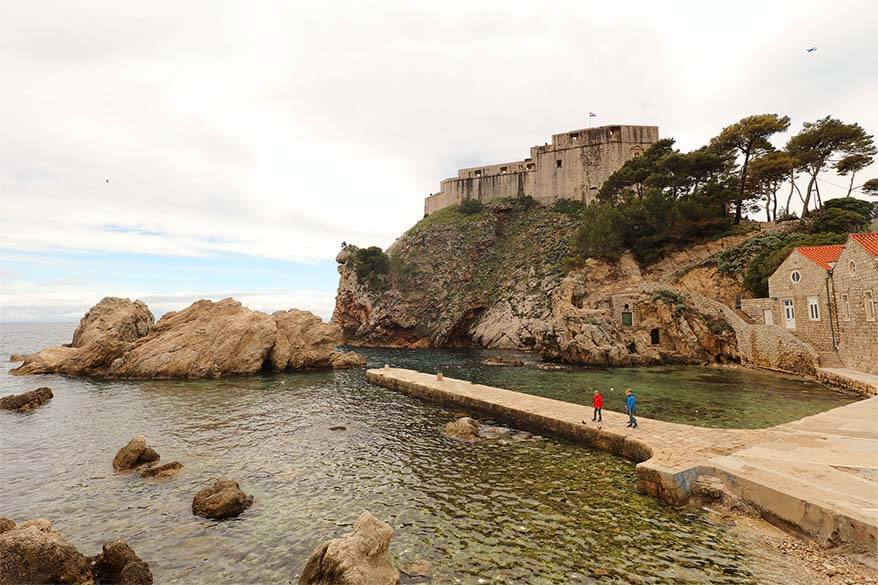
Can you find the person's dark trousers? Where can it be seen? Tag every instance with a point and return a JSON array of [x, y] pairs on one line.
[[632, 422], [597, 415]]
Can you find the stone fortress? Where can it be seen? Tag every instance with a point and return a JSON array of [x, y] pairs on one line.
[[573, 166]]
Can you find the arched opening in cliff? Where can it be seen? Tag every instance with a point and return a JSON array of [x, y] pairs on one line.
[[654, 336], [460, 334]]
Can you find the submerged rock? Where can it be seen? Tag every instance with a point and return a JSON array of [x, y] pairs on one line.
[[206, 340], [360, 557], [35, 553], [166, 471], [501, 361], [118, 564], [27, 400], [134, 454], [220, 500], [464, 428]]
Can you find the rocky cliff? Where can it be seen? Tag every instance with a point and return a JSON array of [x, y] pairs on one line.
[[502, 278]]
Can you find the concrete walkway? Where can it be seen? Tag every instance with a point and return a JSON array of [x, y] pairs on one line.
[[818, 474], [861, 382]]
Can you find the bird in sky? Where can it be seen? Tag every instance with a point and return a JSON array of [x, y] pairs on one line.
[[811, 50]]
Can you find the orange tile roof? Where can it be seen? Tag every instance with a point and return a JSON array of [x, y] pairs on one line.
[[869, 241], [821, 255]]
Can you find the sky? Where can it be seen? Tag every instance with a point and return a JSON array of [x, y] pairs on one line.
[[172, 151]]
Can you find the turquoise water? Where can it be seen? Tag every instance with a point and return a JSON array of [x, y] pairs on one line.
[[540, 511], [726, 397]]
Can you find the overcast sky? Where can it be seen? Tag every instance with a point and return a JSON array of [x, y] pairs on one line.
[[174, 150]]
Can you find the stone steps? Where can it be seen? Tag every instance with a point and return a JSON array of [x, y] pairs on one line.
[[830, 359]]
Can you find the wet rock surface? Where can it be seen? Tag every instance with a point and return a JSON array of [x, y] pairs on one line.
[[208, 339], [27, 400], [35, 553], [360, 557], [118, 564], [220, 500], [464, 428], [164, 471], [136, 453]]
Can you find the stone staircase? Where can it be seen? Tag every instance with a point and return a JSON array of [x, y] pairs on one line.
[[830, 359]]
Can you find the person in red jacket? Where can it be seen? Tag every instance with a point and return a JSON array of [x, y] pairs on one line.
[[598, 402]]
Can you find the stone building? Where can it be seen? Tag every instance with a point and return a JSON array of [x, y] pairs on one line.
[[802, 289], [855, 281], [827, 296], [573, 166]]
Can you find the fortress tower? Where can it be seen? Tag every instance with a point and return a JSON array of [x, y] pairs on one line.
[[573, 166]]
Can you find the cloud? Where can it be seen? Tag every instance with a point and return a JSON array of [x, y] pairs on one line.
[[278, 130]]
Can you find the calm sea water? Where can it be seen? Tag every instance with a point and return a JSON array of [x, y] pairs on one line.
[[530, 512]]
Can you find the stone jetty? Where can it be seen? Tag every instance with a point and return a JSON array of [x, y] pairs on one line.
[[818, 474]]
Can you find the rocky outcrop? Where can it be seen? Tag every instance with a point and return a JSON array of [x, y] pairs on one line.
[[104, 333], [27, 400], [6, 524], [220, 500], [360, 557], [165, 471], [206, 340], [464, 428], [118, 564], [35, 553], [135, 454]]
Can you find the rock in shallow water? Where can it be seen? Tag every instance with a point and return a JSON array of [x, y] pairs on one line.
[[134, 454], [220, 500], [117, 564], [360, 557], [464, 428], [166, 471], [36, 553], [27, 400]]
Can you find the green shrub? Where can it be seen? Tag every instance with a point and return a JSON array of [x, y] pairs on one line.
[[471, 207], [569, 207], [372, 266], [839, 221], [865, 208]]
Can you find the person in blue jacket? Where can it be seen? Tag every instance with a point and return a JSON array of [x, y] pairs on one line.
[[630, 407]]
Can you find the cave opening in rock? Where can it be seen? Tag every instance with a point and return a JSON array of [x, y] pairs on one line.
[[654, 337], [461, 334]]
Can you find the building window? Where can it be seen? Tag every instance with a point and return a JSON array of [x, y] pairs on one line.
[[654, 337], [574, 137], [558, 163], [852, 268], [478, 173], [531, 166], [795, 277], [504, 170], [789, 313], [845, 308], [627, 318], [869, 302], [813, 309]]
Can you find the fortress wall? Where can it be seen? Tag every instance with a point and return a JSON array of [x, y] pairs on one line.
[[573, 166]]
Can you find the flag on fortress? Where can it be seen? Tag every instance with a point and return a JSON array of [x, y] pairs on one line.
[[592, 115]]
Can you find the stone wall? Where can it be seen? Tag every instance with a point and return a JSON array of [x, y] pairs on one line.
[[767, 346], [573, 166], [813, 283], [755, 309], [857, 334]]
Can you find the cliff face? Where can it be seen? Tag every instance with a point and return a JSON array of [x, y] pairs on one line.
[[497, 279]]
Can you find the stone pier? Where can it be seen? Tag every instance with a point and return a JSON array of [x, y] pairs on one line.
[[818, 475]]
